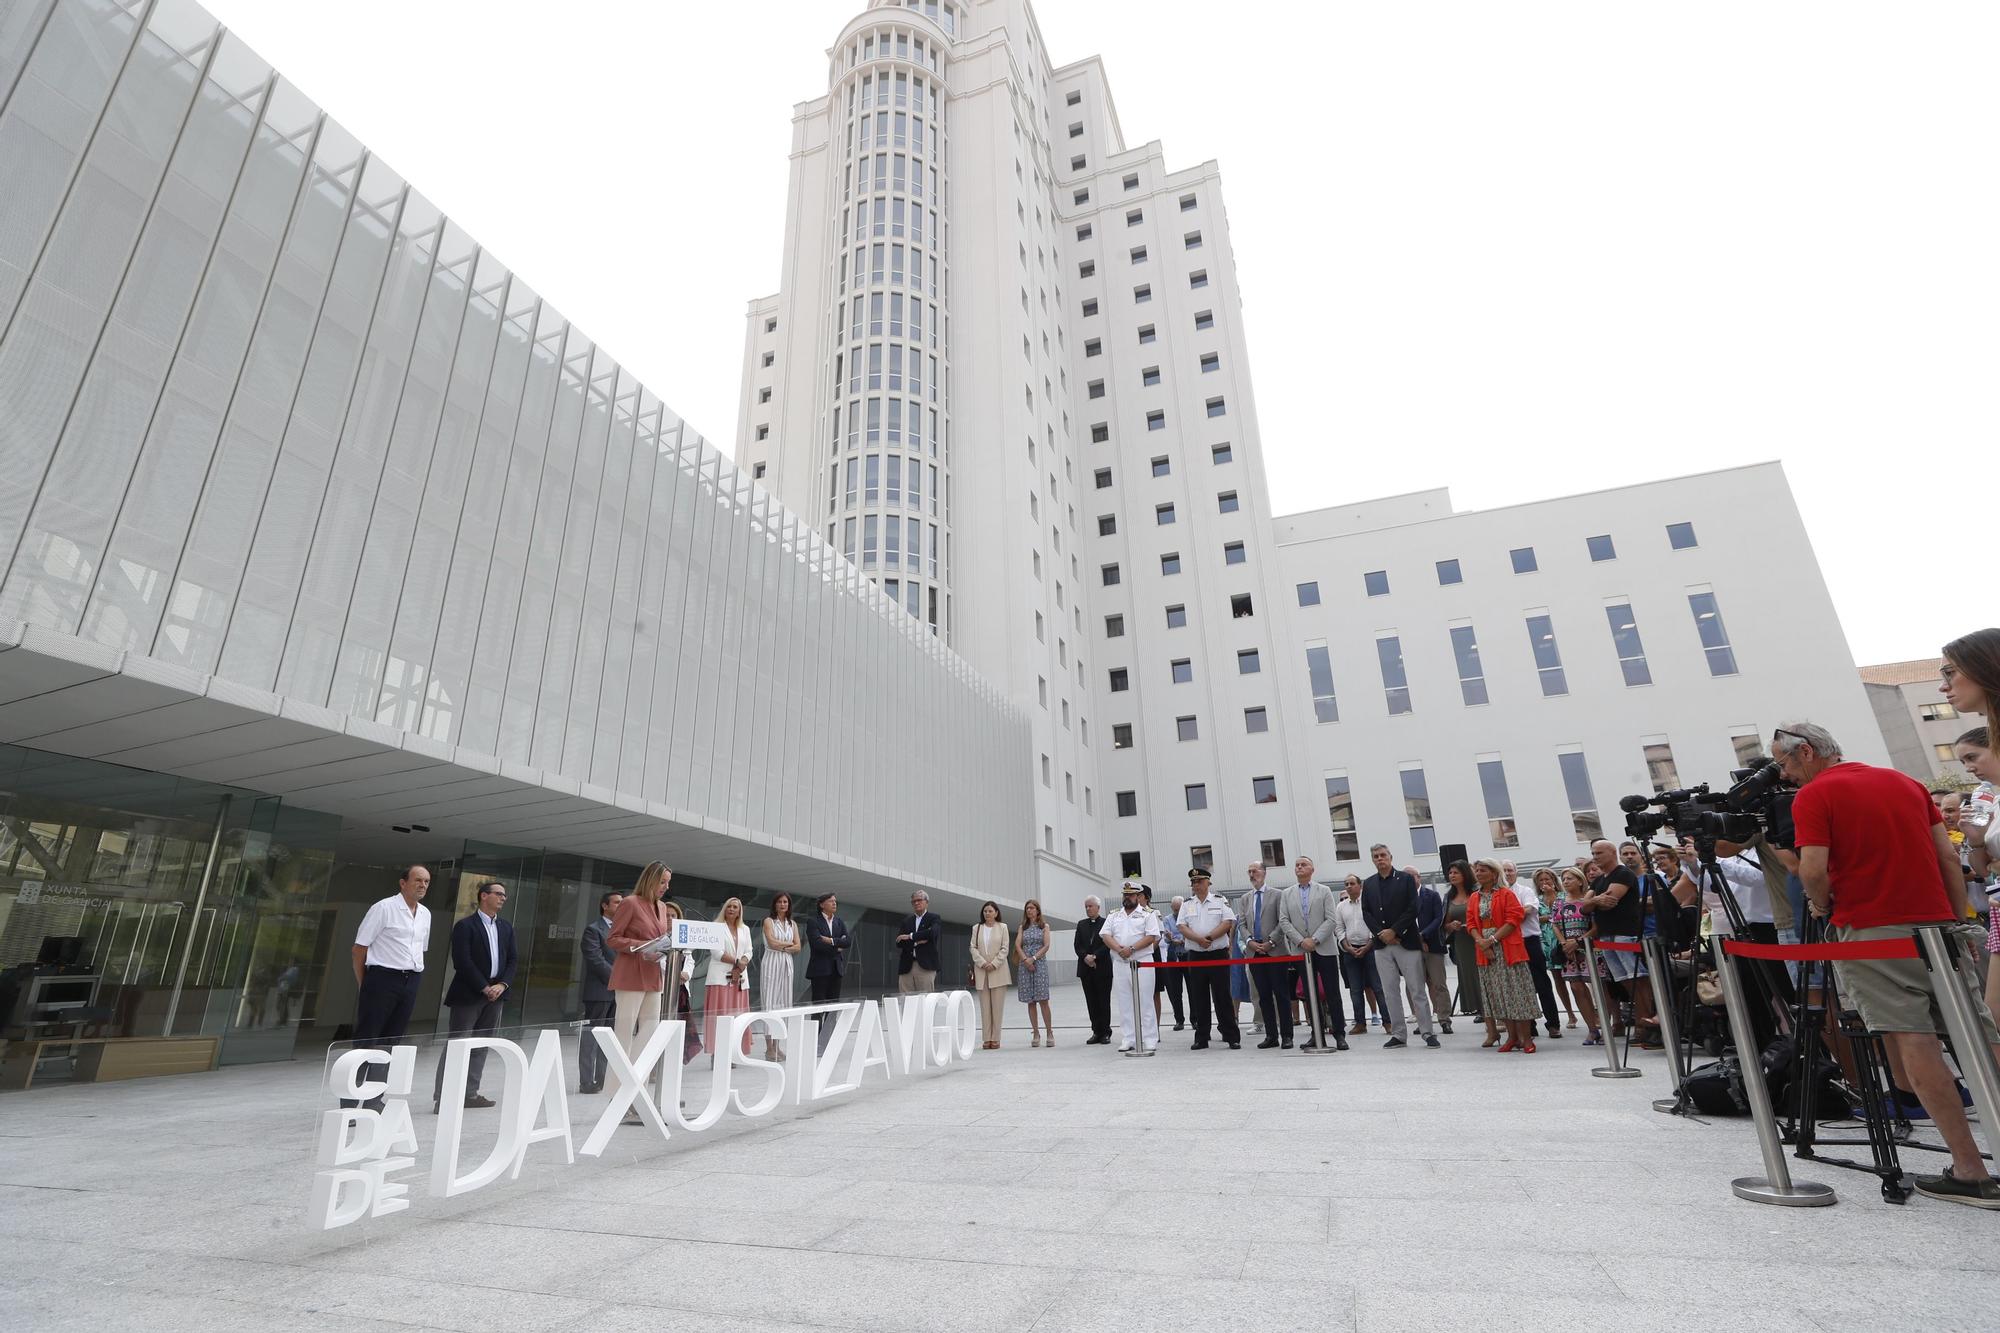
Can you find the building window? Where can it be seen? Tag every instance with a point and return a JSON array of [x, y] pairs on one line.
[[1319, 669], [757, 472], [1191, 241], [1271, 851], [1680, 536], [1219, 453], [1582, 803], [1081, 196], [1110, 573], [1395, 683], [1499, 805], [1107, 524], [1093, 347], [1232, 553], [1148, 333], [1183, 670], [1247, 662], [1076, 130], [1176, 616], [1083, 232], [1134, 217], [1225, 502], [1256, 720], [1045, 772], [763, 432], [1156, 421], [1217, 407], [1625, 642], [1448, 573], [1204, 320], [1121, 680], [1203, 855], [1162, 465], [1471, 675], [1240, 607], [1128, 865], [1601, 549], [1187, 203], [1340, 818], [1131, 182], [1170, 563], [1128, 804], [1163, 515], [1100, 432], [1078, 163], [1073, 98], [1264, 790], [1524, 559], [1103, 478], [1210, 361], [1149, 377], [1087, 269], [1417, 812], [1714, 637], [1185, 728], [1094, 389], [1142, 293], [1309, 594], [1114, 627], [1660, 764], [1198, 279], [1121, 735], [1747, 745], [1195, 794], [771, 325], [1548, 659], [1376, 582], [1137, 254], [1936, 712], [1090, 307]]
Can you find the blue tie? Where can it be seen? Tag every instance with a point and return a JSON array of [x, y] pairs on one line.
[[1257, 913]]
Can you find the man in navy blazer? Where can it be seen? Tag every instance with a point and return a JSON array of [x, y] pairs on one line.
[[826, 960], [482, 960]]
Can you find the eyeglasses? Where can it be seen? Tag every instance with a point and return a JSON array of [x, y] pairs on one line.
[[1803, 740], [1947, 673]]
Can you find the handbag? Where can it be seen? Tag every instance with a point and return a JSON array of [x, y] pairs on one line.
[[1707, 988]]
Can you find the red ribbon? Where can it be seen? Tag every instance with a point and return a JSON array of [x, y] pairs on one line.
[[1615, 946], [1848, 950], [1245, 961]]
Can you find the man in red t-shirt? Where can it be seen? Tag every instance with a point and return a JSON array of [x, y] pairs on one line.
[[1875, 858]]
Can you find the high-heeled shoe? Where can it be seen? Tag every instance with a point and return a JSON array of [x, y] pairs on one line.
[[1509, 1045], [1037, 1040], [1529, 1049], [1491, 1040]]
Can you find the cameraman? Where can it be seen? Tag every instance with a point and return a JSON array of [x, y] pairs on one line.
[[1874, 857]]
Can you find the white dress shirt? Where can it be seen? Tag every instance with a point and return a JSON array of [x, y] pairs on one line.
[[1531, 909], [492, 944], [1128, 928], [1207, 916], [394, 936], [1349, 926]]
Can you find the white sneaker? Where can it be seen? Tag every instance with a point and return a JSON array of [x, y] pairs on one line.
[[1126, 1047]]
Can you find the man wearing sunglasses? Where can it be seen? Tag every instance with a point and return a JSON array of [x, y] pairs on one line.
[[1876, 861]]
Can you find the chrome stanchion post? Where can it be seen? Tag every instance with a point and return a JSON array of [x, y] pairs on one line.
[[1776, 1184], [1319, 1040], [1613, 1067], [1968, 1038], [1658, 965], [1139, 1046]]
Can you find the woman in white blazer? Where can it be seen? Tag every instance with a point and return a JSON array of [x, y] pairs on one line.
[[728, 977], [990, 978]]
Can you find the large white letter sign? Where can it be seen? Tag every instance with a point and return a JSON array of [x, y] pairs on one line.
[[355, 1142], [869, 1051], [905, 1015], [545, 1094], [632, 1079], [451, 1115]]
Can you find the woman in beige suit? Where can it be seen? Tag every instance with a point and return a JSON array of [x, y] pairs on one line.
[[990, 979]]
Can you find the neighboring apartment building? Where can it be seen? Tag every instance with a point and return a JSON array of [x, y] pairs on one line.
[[1090, 526], [1917, 724]]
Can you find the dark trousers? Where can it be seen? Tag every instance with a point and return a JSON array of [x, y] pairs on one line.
[[1324, 971], [477, 1019], [822, 990], [1097, 998], [1360, 976], [1169, 979], [382, 1012], [1208, 989], [589, 1055], [1538, 966], [1274, 998]]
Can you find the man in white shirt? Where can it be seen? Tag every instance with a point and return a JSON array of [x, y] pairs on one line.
[[1531, 935], [1206, 922], [389, 966], [1130, 934], [1357, 955]]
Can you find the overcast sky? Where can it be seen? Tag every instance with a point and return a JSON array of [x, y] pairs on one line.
[[1523, 249]]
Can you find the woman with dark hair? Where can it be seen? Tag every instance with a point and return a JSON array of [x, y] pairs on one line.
[[1458, 889], [989, 970], [1548, 889], [1970, 676], [1493, 918], [1031, 951], [781, 941], [1572, 923]]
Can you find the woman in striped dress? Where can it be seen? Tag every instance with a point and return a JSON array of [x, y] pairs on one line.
[[781, 941]]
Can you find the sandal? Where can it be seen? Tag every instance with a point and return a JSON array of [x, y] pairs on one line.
[[1037, 1040], [1595, 1038]]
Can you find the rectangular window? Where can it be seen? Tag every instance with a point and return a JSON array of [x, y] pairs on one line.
[[1100, 432], [1232, 553], [1128, 804], [1195, 794], [1939, 712], [1499, 805], [1204, 320], [1163, 514], [1714, 637], [1103, 478], [1137, 254], [1376, 582], [1121, 680], [1680, 536], [1217, 407], [1582, 802], [1093, 346], [1264, 790], [1148, 333], [1395, 684], [1271, 851], [1340, 818], [1142, 293], [1625, 642], [1131, 182], [1149, 378], [1170, 563], [1185, 728], [1471, 675], [1128, 865], [1090, 307], [1210, 361], [1176, 616], [1114, 627], [1660, 764], [1191, 241], [1747, 743], [1121, 735], [1219, 453], [1198, 279], [1156, 421], [1319, 669], [1417, 812], [1162, 465], [1240, 606], [1247, 662], [1183, 670], [1548, 658], [1601, 549], [1524, 559], [1225, 502], [1448, 573], [1255, 720], [1094, 389], [1110, 573], [1135, 217], [1107, 524], [1309, 594]]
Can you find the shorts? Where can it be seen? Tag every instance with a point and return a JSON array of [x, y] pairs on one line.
[[1894, 994], [1620, 965]]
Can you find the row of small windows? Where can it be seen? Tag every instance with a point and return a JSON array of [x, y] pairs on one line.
[[901, 425], [887, 481], [1194, 795], [882, 89], [1680, 537], [881, 265], [1149, 378], [901, 45], [889, 217], [902, 367], [1143, 293]]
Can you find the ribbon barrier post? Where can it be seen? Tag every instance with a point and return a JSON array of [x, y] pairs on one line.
[[1968, 1041], [1614, 1067], [1318, 1044], [1139, 1046], [1658, 969], [1776, 1184]]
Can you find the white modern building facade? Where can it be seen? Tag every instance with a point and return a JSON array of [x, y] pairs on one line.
[[1918, 725], [1207, 682], [327, 544]]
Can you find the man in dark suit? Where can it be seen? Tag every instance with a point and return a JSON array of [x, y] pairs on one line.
[[917, 947], [1093, 969], [826, 958], [1389, 907], [599, 1005], [482, 960]]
